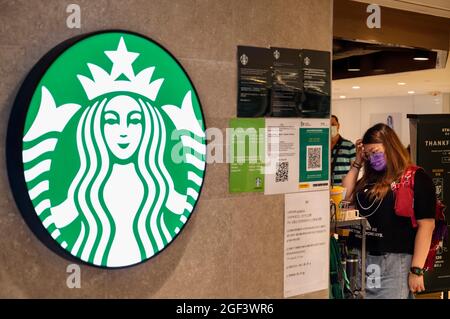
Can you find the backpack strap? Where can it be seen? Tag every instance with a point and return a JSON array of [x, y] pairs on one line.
[[411, 175], [408, 176], [407, 181]]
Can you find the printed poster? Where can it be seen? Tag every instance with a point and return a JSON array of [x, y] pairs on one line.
[[316, 67], [247, 155], [254, 81], [314, 154], [287, 83], [281, 172], [306, 242]]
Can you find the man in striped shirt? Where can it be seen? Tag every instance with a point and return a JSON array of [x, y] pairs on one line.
[[343, 153]]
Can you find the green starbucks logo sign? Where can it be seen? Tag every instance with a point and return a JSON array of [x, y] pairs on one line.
[[106, 148]]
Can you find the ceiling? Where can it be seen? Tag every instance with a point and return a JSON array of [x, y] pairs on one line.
[[370, 59], [439, 8], [421, 82], [432, 81]]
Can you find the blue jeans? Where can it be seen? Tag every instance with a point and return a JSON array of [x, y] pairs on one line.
[[387, 276]]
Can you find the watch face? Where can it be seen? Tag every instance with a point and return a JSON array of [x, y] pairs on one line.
[[417, 271], [106, 148]]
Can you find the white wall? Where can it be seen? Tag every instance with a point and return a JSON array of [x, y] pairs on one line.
[[355, 114], [349, 114], [446, 102]]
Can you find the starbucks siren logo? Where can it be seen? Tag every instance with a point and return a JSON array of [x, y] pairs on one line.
[[100, 136]]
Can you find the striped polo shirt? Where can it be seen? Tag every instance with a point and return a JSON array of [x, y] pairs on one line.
[[346, 154]]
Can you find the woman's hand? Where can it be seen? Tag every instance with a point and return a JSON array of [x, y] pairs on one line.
[[421, 248], [415, 283], [359, 151]]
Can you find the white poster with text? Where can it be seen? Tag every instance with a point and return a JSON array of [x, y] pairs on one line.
[[306, 242], [282, 161]]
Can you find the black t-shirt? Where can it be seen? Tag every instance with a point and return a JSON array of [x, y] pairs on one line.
[[390, 233]]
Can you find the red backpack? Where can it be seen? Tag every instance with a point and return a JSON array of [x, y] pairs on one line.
[[404, 206]]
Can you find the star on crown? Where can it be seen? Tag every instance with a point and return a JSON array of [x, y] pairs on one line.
[[102, 82]]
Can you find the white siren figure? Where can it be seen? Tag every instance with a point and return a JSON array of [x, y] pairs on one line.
[[122, 187]]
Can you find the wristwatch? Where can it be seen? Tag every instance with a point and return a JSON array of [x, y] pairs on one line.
[[417, 271]]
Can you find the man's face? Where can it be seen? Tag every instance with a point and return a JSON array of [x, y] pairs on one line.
[[335, 124]]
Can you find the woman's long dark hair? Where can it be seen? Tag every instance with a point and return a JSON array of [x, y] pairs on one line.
[[397, 159]]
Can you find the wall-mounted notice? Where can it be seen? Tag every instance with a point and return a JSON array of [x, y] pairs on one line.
[[254, 81], [282, 145], [306, 242], [286, 83], [314, 154], [316, 83], [283, 82], [247, 155]]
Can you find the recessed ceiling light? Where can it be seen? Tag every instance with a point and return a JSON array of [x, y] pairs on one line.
[[353, 64], [421, 56], [356, 87], [401, 83], [411, 92], [342, 96]]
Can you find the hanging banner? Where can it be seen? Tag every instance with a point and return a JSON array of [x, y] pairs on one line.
[[306, 242]]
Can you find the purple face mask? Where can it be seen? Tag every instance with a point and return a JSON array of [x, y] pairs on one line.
[[378, 161]]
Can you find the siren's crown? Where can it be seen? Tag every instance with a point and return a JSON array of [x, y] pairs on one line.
[[102, 82]]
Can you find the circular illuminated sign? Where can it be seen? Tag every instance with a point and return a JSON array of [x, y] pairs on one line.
[[106, 148]]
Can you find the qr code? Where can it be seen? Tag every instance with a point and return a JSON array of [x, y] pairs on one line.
[[282, 173], [314, 158]]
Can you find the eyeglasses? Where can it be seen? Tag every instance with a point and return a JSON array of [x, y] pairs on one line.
[[368, 154]]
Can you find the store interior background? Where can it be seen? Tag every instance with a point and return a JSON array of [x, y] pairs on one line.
[[358, 100]]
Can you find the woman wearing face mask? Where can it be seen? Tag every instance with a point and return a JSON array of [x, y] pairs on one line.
[[393, 245]]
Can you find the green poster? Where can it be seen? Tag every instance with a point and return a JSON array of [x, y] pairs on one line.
[[247, 155], [313, 157]]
